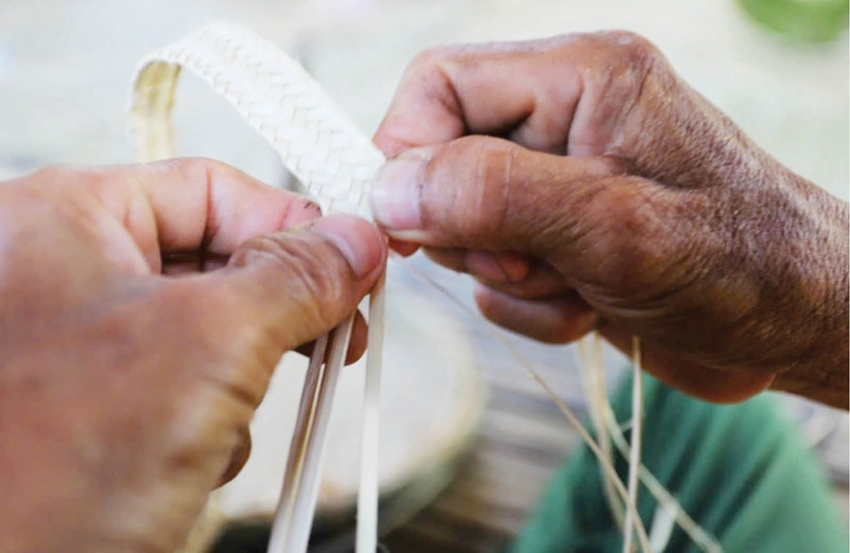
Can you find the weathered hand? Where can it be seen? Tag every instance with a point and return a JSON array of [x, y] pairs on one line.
[[621, 200], [129, 369]]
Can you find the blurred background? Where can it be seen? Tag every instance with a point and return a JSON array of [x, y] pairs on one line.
[[779, 68]]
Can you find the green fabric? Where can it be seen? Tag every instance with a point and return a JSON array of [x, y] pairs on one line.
[[741, 471]]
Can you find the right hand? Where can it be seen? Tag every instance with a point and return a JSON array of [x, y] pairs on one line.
[[621, 200]]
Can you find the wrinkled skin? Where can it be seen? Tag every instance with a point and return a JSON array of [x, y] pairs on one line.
[[142, 312], [587, 187]]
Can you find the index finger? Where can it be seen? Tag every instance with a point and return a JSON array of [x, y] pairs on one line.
[[563, 95], [519, 90], [189, 205]]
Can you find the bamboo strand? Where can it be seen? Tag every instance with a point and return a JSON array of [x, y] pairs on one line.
[[300, 440], [367, 495], [634, 455], [592, 372], [698, 535], [294, 516]]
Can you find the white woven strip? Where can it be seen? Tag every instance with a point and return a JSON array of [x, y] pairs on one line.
[[315, 140], [335, 163]]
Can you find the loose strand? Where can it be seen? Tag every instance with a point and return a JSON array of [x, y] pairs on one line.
[[695, 532], [368, 490], [592, 373], [634, 454], [608, 467]]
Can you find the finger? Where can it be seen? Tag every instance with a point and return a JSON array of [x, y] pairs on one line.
[[404, 249], [552, 95], [356, 347], [450, 258], [692, 378], [185, 205], [494, 266], [541, 282], [498, 266], [506, 272], [287, 289], [238, 458], [557, 321], [448, 92], [489, 194]]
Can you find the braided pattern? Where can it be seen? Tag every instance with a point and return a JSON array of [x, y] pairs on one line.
[[276, 96]]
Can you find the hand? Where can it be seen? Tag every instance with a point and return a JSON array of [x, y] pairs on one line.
[[607, 194], [142, 312]]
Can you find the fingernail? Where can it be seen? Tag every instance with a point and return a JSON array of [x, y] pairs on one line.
[[395, 195], [358, 241]]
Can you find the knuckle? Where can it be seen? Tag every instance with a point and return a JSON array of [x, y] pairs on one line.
[[312, 274], [633, 48], [205, 166], [480, 171], [53, 175], [197, 168], [622, 65], [488, 305], [431, 58], [629, 240]]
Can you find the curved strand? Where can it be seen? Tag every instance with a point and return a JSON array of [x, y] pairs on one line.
[[276, 96]]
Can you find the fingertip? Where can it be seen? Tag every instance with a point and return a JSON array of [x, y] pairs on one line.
[[514, 266], [359, 340], [402, 248], [238, 457], [483, 296], [497, 266], [482, 264], [389, 145], [396, 189], [360, 242]]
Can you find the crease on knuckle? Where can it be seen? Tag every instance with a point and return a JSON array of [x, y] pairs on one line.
[[483, 199], [432, 69], [312, 274], [628, 63], [631, 241]]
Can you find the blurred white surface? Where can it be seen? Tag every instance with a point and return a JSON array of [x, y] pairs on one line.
[[64, 67]]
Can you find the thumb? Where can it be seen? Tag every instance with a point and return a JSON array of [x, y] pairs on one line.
[[486, 193], [293, 286]]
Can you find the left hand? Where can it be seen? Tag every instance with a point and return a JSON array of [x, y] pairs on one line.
[[129, 368]]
